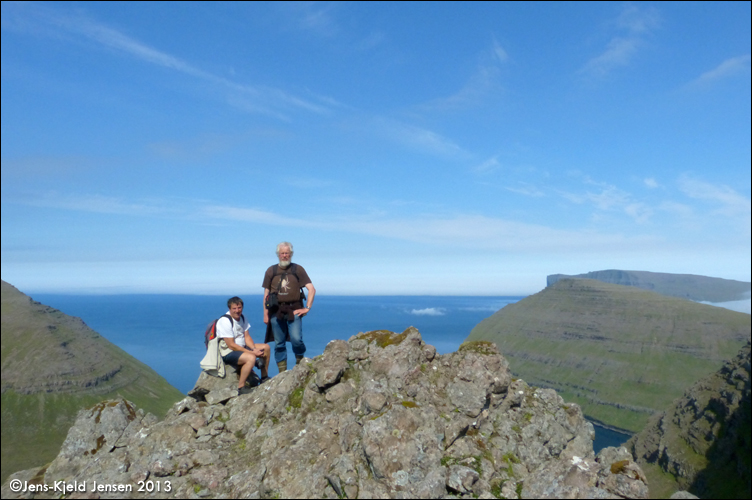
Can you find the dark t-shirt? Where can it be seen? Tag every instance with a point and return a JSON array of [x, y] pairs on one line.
[[284, 283]]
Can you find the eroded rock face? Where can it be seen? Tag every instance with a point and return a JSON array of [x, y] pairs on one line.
[[379, 416], [703, 439]]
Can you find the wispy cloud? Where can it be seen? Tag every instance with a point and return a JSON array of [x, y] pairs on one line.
[[429, 311], [483, 84], [314, 17], [488, 166], [255, 98], [526, 189], [101, 204], [728, 202], [499, 52], [605, 197], [457, 231], [728, 68], [632, 26], [420, 139], [651, 183]]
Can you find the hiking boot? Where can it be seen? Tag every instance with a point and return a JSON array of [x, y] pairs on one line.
[[264, 379], [282, 365], [298, 358], [244, 390]]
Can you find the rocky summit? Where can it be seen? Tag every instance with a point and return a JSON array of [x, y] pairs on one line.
[[378, 416]]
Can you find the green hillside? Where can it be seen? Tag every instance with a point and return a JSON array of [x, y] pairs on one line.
[[52, 366], [622, 353]]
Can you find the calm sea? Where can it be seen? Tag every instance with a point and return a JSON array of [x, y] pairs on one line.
[[166, 331]]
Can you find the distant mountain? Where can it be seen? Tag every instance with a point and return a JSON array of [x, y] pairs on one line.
[[702, 442], [684, 286], [620, 352], [52, 366]]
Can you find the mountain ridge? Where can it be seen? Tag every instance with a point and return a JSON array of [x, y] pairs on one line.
[[621, 352], [52, 366], [686, 286]]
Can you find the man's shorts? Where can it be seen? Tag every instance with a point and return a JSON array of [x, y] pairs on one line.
[[233, 357]]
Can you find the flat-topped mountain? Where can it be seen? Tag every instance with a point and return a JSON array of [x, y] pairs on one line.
[[684, 286], [52, 366], [621, 352]]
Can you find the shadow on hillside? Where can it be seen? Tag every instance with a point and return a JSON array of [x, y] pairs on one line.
[[728, 472]]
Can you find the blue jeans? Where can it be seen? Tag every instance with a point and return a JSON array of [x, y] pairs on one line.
[[281, 329]]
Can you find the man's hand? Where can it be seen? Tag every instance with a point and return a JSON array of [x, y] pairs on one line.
[[301, 312], [266, 316]]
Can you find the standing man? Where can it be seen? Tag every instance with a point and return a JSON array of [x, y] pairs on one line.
[[283, 305], [237, 347]]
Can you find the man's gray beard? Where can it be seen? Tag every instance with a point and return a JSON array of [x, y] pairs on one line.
[[284, 263]]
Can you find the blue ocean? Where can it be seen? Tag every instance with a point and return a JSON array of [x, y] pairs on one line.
[[166, 331]]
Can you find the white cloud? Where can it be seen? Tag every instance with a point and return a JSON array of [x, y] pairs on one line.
[[500, 53], [429, 311], [651, 183], [420, 139], [487, 166], [481, 86], [526, 190], [633, 25], [729, 202], [728, 68], [253, 98]]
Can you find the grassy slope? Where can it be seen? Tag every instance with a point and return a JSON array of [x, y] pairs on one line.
[[52, 366], [603, 345]]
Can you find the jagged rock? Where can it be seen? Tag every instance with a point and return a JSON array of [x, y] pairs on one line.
[[379, 416], [207, 383], [682, 495], [703, 439]]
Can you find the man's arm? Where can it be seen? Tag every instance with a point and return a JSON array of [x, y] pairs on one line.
[[251, 345], [309, 301], [263, 304], [311, 295], [230, 341]]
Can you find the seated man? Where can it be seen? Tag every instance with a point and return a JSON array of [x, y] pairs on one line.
[[237, 347]]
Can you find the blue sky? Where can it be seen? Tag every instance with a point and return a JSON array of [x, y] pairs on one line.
[[403, 148]]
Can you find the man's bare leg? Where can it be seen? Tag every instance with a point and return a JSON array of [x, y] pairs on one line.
[[246, 362]]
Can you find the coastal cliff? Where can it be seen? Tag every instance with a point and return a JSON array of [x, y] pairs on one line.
[[381, 415], [702, 442], [621, 352], [684, 286]]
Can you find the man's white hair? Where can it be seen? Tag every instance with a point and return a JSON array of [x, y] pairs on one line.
[[285, 244]]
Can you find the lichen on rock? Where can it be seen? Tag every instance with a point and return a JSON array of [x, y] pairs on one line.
[[380, 415]]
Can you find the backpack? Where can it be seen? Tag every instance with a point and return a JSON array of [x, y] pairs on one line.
[[211, 329]]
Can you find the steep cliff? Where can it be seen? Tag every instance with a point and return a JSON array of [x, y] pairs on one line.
[[52, 366], [684, 286], [379, 416], [620, 352], [702, 442]]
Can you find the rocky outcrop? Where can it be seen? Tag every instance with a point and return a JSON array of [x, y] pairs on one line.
[[703, 439], [379, 416]]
